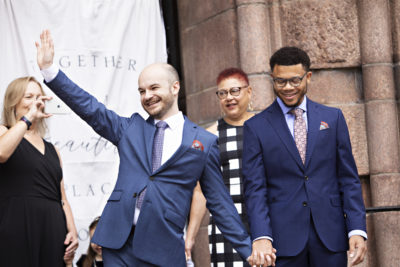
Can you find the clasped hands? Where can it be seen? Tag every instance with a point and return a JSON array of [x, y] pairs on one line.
[[262, 253]]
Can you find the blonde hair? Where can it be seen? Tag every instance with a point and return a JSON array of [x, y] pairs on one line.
[[14, 94]]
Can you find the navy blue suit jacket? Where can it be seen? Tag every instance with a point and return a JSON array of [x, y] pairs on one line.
[[158, 235], [281, 191]]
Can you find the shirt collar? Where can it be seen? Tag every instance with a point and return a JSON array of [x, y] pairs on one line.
[[286, 109], [174, 121]]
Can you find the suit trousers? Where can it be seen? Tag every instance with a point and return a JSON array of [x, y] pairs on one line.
[[123, 257], [314, 254]]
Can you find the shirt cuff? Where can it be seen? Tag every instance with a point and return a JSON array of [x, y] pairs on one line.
[[50, 73], [264, 237], [358, 232]]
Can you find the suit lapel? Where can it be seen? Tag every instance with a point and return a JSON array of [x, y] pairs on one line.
[[314, 120], [189, 134], [149, 131], [278, 122]]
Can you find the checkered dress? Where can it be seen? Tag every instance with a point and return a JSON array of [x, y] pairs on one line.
[[230, 146]]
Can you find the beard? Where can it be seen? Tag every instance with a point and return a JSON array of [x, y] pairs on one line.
[[164, 105]]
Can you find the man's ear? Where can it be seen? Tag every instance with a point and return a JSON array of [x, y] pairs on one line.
[[309, 74], [176, 86]]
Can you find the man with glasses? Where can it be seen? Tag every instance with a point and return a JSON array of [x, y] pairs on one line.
[[302, 191]]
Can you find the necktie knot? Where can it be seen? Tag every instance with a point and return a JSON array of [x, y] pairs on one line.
[[298, 112], [161, 124]]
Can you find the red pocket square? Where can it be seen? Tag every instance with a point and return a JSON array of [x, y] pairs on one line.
[[197, 145], [323, 125]]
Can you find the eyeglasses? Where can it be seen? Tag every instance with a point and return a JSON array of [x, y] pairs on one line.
[[294, 81], [233, 91]]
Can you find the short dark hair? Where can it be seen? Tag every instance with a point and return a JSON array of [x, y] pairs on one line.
[[232, 73], [290, 55]]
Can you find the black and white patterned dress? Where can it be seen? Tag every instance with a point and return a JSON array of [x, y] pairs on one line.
[[230, 146]]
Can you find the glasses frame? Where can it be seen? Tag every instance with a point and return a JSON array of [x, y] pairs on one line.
[[290, 80], [226, 92]]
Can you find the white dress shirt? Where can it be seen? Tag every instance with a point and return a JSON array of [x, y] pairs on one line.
[[290, 117], [172, 141]]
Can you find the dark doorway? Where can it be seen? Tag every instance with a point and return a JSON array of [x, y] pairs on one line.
[[171, 23]]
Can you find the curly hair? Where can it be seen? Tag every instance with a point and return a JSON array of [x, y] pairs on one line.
[[290, 55]]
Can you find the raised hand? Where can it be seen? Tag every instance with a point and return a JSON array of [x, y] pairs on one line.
[[45, 51]]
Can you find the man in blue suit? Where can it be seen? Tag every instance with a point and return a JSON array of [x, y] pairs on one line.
[[302, 190], [142, 223]]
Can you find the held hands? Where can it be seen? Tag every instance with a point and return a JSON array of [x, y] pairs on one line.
[[45, 51], [71, 240], [358, 248], [263, 253]]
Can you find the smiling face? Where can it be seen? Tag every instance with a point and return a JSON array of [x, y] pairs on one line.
[[32, 92], [158, 91], [235, 107], [290, 95]]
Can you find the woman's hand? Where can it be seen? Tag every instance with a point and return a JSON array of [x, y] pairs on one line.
[[71, 240], [36, 111]]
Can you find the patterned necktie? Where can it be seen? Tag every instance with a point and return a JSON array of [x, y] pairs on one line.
[[156, 155], [300, 132]]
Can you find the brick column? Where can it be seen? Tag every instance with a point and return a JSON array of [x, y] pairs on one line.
[[382, 124], [255, 48]]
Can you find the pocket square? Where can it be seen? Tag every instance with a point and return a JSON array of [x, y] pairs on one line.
[[323, 126], [197, 145]]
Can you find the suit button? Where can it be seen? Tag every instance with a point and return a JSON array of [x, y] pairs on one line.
[[306, 178], [134, 194], [345, 215], [305, 203], [151, 178]]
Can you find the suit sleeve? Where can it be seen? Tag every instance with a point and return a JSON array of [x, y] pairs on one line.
[[349, 181], [255, 185], [221, 206], [104, 121]]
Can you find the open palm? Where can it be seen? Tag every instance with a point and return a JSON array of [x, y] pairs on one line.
[[45, 50]]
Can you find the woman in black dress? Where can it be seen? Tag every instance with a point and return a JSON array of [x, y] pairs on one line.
[[234, 94], [36, 224]]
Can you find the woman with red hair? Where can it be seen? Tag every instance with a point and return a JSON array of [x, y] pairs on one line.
[[234, 95]]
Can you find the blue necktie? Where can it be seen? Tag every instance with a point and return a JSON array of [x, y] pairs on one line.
[[156, 155]]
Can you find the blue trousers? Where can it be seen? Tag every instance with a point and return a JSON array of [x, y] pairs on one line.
[[314, 254], [123, 257]]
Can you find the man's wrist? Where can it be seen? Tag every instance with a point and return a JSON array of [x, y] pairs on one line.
[[49, 73], [358, 232], [264, 237]]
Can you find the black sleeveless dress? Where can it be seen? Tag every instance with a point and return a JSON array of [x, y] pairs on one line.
[[32, 220], [230, 142]]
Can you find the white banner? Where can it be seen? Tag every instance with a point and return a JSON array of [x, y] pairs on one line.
[[102, 45]]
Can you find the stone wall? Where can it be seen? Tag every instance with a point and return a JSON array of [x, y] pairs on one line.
[[354, 46]]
